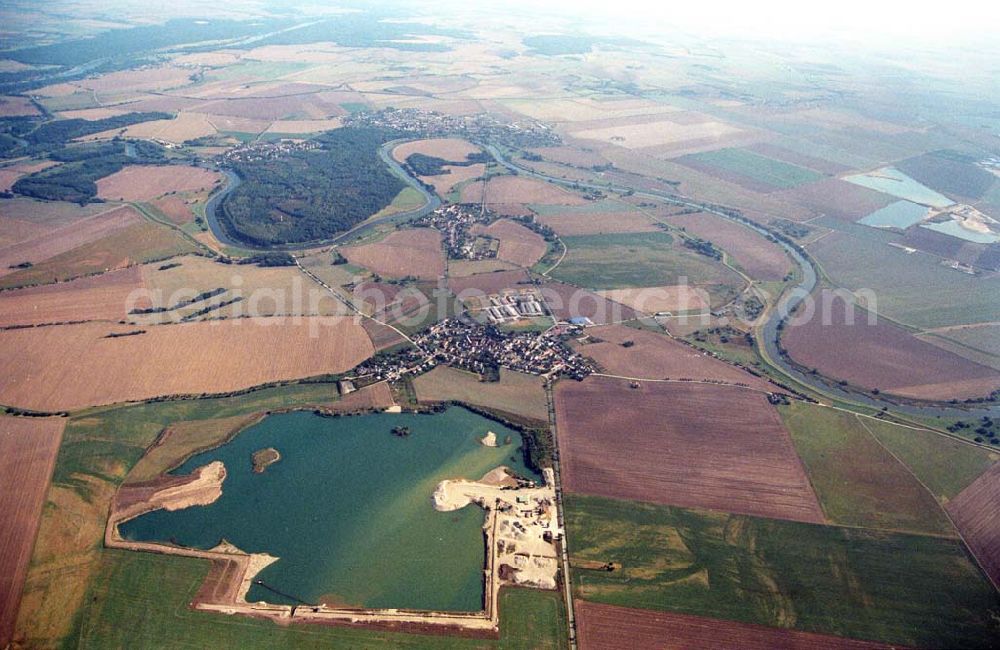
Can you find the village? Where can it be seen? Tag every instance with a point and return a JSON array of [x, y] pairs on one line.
[[455, 222], [482, 127], [482, 348]]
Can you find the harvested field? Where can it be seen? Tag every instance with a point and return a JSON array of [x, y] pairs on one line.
[[101, 297], [585, 109], [67, 237], [651, 300], [516, 190], [454, 175], [595, 223], [976, 516], [385, 300], [39, 367], [882, 356], [28, 448], [657, 356], [515, 393], [264, 291], [691, 445], [268, 109], [660, 134], [17, 107], [518, 245], [176, 208], [450, 149], [93, 113], [123, 247], [416, 252], [466, 268], [488, 283], [10, 173], [566, 301], [304, 127], [158, 78], [610, 627], [760, 258], [186, 126], [836, 198], [145, 182], [574, 156], [23, 219]]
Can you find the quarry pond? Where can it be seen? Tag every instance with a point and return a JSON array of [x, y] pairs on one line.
[[347, 508]]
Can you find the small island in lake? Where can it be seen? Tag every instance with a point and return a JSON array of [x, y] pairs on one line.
[[401, 432], [263, 458]]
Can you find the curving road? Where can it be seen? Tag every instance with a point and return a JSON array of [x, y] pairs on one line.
[[767, 333]]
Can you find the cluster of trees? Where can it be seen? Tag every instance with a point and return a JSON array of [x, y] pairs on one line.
[[703, 247], [312, 195], [34, 136], [76, 179], [419, 164]]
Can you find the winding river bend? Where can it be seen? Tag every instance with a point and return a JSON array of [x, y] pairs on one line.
[[214, 205], [767, 332]]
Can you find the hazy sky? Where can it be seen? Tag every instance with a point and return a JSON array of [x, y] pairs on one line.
[[915, 21]]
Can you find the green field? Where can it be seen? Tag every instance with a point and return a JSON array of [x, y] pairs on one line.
[[903, 589], [857, 481], [162, 586], [915, 289], [945, 465], [777, 174], [649, 259]]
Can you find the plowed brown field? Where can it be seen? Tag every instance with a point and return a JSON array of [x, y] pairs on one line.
[[518, 245], [515, 189], [684, 444], [882, 356], [488, 283], [761, 259], [415, 252], [68, 367], [657, 356], [28, 448], [596, 223], [612, 627], [566, 301], [66, 238], [977, 517]]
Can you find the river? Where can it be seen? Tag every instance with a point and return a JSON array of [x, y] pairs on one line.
[[431, 202], [767, 333]]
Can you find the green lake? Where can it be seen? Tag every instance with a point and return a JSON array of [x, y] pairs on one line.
[[348, 508]]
